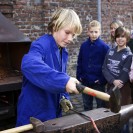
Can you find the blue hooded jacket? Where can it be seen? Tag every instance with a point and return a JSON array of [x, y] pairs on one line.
[[44, 81]]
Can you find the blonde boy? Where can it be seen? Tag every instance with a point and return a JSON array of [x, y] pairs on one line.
[[89, 65], [44, 70]]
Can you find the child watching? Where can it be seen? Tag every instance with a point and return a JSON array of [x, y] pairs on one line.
[[117, 66], [89, 65], [113, 26]]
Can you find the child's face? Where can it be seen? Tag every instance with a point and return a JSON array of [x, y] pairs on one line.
[[94, 33], [63, 37], [112, 29], [121, 41]]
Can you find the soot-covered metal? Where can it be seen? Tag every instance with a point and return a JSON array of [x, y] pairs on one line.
[[13, 45]]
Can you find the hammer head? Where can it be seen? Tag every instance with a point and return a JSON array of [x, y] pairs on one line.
[[115, 100], [38, 126]]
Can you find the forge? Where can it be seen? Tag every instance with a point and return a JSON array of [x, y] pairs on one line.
[[13, 45]]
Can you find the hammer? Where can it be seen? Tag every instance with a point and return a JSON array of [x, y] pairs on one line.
[[114, 98]]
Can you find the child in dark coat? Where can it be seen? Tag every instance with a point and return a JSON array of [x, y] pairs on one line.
[[89, 65]]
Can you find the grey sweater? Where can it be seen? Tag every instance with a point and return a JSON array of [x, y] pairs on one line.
[[117, 65]]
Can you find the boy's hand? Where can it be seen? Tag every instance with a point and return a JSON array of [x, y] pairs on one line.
[[131, 76], [71, 85], [118, 83], [65, 104]]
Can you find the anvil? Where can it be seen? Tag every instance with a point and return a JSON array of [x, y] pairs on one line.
[[106, 121]]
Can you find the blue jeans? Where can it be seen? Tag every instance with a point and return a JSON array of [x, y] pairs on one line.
[[88, 100]]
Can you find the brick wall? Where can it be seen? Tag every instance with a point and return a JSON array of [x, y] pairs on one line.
[[29, 17], [32, 17], [116, 9], [6, 7]]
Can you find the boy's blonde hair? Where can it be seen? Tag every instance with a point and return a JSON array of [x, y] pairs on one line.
[[94, 23], [65, 17]]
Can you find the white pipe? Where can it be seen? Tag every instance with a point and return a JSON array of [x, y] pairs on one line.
[[99, 10]]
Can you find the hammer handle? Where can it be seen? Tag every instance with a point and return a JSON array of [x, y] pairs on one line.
[[18, 129], [92, 92]]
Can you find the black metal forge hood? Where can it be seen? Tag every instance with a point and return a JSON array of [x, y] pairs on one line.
[[9, 32]]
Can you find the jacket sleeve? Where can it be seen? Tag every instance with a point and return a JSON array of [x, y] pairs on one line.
[[66, 95], [106, 48], [108, 76], [124, 75], [40, 74], [131, 71]]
